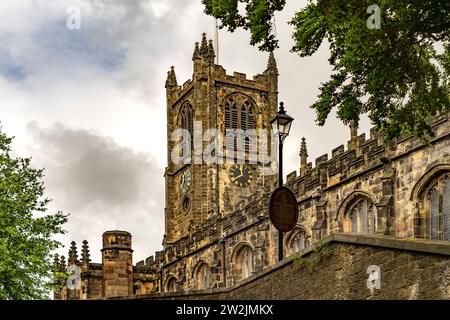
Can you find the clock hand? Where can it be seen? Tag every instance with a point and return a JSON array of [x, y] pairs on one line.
[[235, 178]]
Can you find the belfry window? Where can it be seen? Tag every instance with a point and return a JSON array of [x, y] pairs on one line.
[[361, 217], [186, 122], [239, 114]]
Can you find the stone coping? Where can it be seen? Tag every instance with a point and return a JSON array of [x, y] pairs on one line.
[[121, 232], [409, 244]]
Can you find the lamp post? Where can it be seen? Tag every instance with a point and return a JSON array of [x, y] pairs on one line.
[[281, 125]]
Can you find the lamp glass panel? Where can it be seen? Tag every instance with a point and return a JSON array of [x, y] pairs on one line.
[[287, 128], [274, 124]]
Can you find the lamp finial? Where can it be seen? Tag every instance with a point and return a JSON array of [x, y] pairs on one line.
[[282, 111]]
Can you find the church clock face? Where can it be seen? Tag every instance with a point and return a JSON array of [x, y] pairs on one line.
[[241, 175], [185, 181]]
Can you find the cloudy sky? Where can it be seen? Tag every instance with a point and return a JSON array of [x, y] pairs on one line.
[[89, 104]]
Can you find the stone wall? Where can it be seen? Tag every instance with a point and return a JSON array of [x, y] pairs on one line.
[[386, 175], [410, 269], [92, 282]]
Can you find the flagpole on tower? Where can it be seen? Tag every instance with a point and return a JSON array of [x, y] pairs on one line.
[[216, 40]]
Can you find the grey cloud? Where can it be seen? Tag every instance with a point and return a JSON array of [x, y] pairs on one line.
[[101, 184], [126, 40]]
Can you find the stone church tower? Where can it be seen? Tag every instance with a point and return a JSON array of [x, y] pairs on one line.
[[195, 190]]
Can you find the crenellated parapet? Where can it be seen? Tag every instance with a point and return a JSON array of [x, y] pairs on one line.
[[219, 77], [361, 154], [346, 164], [245, 213], [205, 68]]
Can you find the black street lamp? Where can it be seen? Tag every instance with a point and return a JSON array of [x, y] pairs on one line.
[[281, 125]]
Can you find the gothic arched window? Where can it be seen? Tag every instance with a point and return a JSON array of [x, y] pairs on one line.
[[247, 116], [202, 276], [436, 204], [296, 241], [244, 262], [361, 217], [239, 114], [186, 122], [171, 284]]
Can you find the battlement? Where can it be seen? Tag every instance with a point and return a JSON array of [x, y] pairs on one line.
[[186, 84], [259, 81], [116, 240], [219, 76], [244, 213], [360, 155], [205, 69]]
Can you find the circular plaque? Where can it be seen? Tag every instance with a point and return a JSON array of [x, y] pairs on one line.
[[283, 209]]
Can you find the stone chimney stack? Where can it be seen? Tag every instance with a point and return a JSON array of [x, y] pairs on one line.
[[117, 257]]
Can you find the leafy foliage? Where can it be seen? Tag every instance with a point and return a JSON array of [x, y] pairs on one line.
[[258, 18], [398, 75], [322, 250], [26, 265]]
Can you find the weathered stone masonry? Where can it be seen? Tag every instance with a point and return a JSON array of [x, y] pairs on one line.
[[418, 269], [224, 236]]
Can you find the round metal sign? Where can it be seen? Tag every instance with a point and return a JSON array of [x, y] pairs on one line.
[[283, 209]]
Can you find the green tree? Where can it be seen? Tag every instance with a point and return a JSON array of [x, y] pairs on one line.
[[26, 232], [395, 69]]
